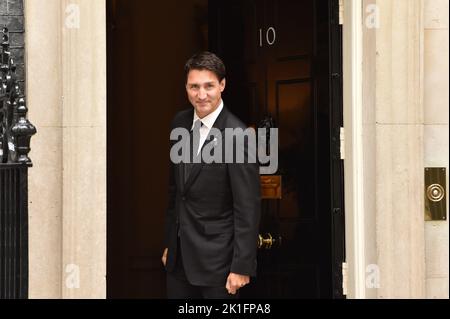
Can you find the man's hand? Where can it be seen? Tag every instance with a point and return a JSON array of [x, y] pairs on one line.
[[164, 257], [236, 281]]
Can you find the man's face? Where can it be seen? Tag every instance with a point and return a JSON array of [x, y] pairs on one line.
[[204, 91]]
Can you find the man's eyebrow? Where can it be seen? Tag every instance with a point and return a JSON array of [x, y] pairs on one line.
[[212, 82]]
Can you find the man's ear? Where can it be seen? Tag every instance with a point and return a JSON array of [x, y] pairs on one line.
[[222, 84]]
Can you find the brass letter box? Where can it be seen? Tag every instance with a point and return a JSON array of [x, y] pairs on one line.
[[271, 187]]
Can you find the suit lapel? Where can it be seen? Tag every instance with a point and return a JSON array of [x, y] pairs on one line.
[[186, 123]]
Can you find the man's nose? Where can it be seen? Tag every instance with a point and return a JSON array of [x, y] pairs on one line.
[[202, 94]]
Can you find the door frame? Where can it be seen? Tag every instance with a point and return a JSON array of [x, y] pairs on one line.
[[352, 45], [336, 164], [354, 275]]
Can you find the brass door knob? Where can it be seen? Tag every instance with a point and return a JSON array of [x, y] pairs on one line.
[[268, 242]]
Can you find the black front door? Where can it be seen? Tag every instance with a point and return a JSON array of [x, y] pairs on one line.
[[283, 61]]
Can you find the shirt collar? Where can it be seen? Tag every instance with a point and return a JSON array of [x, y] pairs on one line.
[[209, 119]]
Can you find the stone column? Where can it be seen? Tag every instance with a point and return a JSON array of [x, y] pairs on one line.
[[44, 97], [84, 147], [66, 67], [399, 160]]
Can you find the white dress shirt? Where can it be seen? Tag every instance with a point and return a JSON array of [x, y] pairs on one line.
[[208, 122]]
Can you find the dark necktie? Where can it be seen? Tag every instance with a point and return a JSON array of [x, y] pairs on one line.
[[195, 140]]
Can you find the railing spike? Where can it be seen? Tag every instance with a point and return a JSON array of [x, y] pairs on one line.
[[15, 129]]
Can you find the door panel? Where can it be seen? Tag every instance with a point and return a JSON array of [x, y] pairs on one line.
[[277, 56], [294, 21]]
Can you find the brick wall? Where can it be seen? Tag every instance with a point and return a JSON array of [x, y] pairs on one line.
[[11, 15]]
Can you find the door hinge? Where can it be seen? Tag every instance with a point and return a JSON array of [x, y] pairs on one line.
[[344, 278], [338, 143], [341, 12], [342, 142]]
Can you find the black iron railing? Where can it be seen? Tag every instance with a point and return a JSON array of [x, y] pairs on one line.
[[15, 134]]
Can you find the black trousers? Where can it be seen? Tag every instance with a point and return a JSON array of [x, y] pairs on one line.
[[178, 287]]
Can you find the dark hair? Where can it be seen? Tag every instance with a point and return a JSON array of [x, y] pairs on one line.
[[206, 61]]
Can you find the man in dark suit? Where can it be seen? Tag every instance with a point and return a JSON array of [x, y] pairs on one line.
[[213, 216]]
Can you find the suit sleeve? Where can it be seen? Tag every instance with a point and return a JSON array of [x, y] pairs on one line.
[[245, 186]]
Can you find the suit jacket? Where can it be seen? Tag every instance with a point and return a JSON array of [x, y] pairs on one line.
[[215, 213]]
